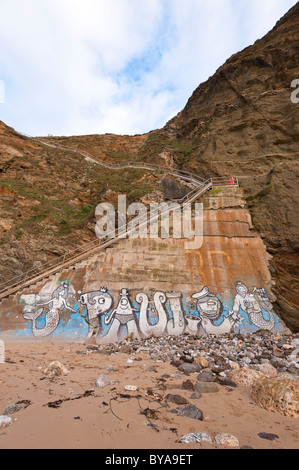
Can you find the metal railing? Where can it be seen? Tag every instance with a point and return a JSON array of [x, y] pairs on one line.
[[225, 181], [184, 175]]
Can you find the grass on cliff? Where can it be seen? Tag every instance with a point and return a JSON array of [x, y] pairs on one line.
[[157, 143], [259, 195], [64, 209]]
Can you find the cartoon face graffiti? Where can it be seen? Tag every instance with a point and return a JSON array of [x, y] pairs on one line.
[[124, 311], [241, 289], [208, 305], [210, 309], [98, 303], [124, 306], [247, 300], [121, 316]]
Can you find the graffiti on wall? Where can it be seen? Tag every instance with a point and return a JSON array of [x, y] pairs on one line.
[[253, 304], [111, 317], [210, 311], [98, 303], [48, 312]]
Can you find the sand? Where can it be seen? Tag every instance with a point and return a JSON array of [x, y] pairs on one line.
[[83, 416]]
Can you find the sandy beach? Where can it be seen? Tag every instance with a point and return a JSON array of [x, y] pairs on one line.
[[71, 412]]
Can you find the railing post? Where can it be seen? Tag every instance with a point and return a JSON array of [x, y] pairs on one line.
[[25, 278]]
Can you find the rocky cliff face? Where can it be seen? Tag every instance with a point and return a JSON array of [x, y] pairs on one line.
[[240, 122]]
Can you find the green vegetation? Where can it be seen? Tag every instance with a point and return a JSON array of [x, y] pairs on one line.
[[156, 143], [24, 189], [262, 193], [67, 214], [215, 191], [132, 182]]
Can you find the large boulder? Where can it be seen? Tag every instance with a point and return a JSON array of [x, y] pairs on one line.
[[279, 395]]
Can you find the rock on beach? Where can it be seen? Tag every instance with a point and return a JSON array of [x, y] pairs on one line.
[[245, 376], [227, 440], [5, 421], [56, 368], [102, 381], [278, 395]]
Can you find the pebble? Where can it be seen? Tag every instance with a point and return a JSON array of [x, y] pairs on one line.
[[227, 382], [83, 351], [202, 361], [206, 387], [268, 369], [205, 376], [5, 421], [245, 376], [195, 437], [152, 369], [232, 359], [102, 381], [131, 388], [13, 408], [187, 385], [226, 440], [188, 359], [189, 368], [177, 399], [189, 411], [108, 368], [195, 396], [56, 368], [268, 436]]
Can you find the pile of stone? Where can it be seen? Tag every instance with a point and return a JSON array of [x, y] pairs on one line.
[[260, 350]]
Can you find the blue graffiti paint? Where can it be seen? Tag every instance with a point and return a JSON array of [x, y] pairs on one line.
[[73, 325]]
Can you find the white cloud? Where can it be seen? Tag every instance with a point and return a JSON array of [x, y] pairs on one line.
[[263, 15], [123, 66]]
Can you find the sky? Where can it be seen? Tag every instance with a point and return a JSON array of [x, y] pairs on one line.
[[77, 67]]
